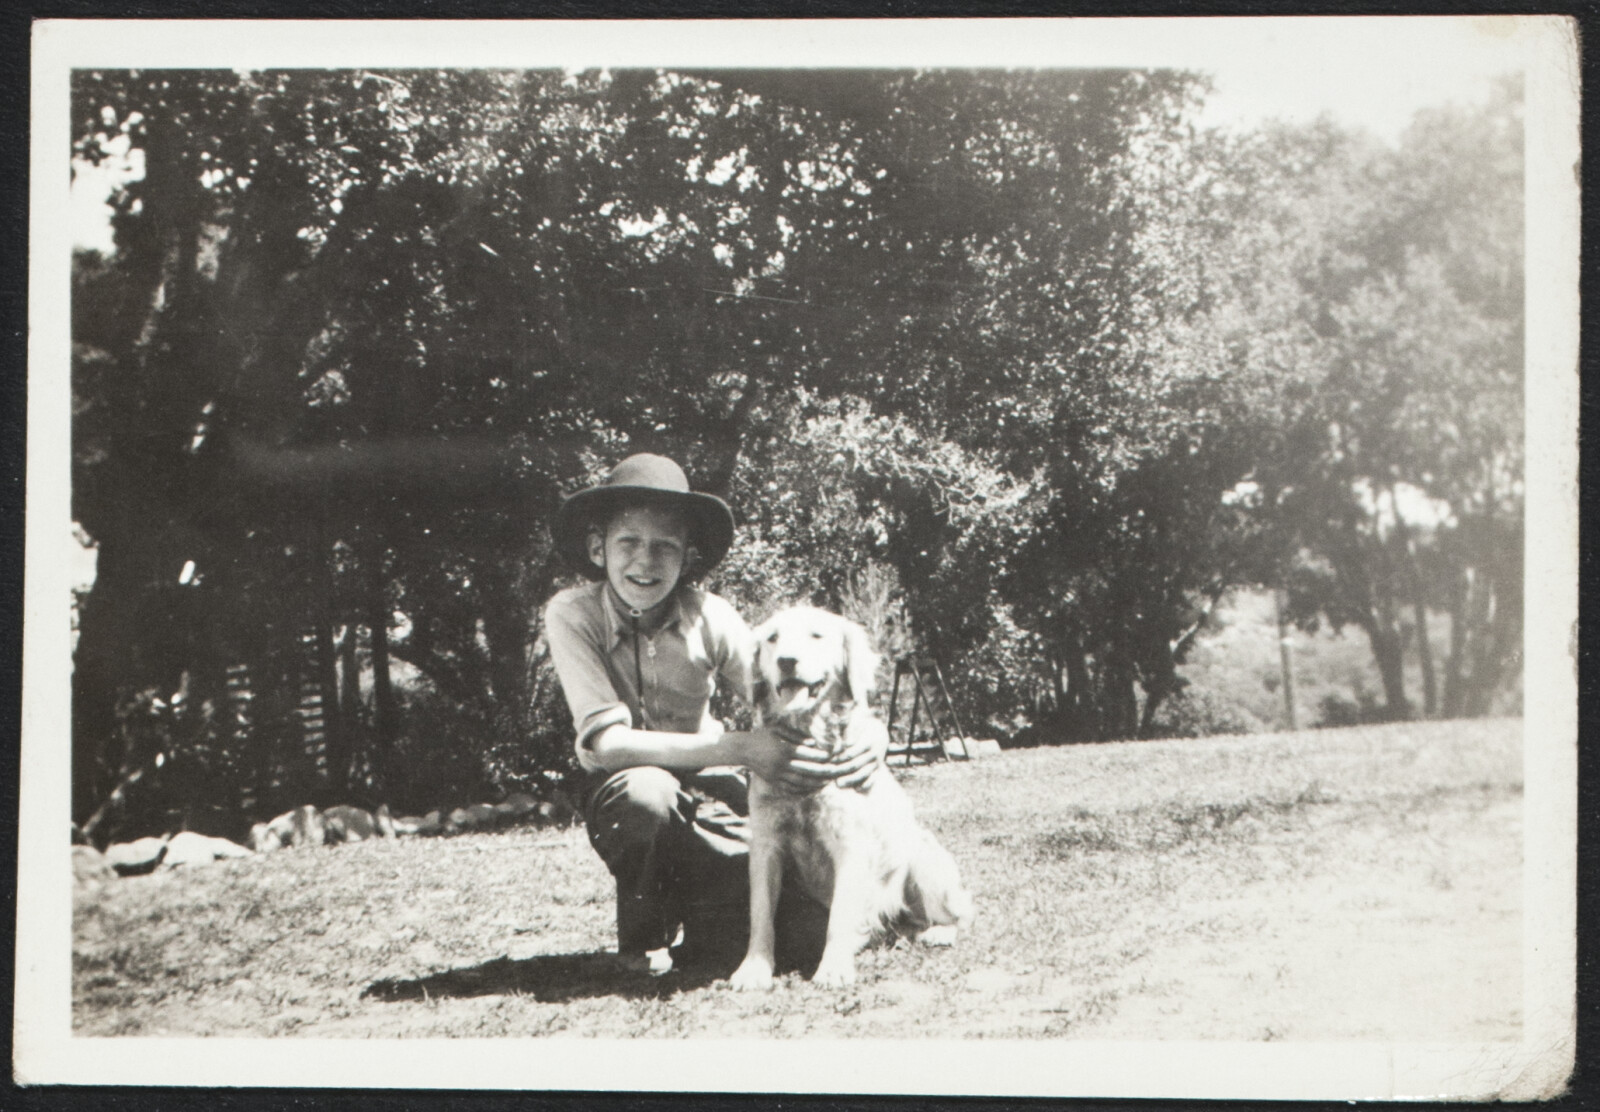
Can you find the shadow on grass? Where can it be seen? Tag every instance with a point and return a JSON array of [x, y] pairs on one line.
[[548, 978], [557, 978], [802, 930]]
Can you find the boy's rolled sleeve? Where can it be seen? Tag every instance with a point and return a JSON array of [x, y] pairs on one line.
[[579, 659]]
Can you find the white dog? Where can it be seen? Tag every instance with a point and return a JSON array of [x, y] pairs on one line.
[[857, 850]]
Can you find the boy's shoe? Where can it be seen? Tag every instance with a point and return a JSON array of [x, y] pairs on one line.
[[654, 963]]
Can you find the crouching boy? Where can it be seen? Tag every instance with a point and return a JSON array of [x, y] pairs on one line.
[[639, 652]]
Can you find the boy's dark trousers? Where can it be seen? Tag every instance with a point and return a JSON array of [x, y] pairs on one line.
[[678, 845]]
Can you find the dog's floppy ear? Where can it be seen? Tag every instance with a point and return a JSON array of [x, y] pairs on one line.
[[860, 661], [760, 687]]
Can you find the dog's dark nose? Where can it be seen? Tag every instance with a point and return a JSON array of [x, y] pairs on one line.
[[786, 665]]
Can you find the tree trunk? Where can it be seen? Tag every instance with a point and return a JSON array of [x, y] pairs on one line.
[[1460, 600], [336, 744], [1078, 708], [349, 685], [1498, 632], [383, 710], [115, 644], [1430, 691], [1388, 651], [1383, 632], [1419, 604], [727, 441], [1291, 716], [511, 595], [165, 365], [1495, 641], [94, 718], [1120, 702], [1154, 696]]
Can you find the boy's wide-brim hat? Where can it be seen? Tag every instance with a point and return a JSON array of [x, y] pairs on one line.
[[650, 480]]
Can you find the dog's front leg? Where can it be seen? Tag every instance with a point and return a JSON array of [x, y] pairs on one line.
[[848, 928], [766, 881]]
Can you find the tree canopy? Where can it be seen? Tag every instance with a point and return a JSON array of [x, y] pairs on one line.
[[1023, 349]]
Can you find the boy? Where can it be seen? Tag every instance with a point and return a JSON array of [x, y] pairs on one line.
[[638, 652]]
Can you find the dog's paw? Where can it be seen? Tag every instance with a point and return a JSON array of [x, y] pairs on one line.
[[752, 976], [944, 935], [836, 975]]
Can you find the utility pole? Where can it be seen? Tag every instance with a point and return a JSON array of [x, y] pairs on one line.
[[1285, 658]]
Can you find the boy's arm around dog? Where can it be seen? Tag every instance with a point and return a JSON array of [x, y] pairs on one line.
[[607, 735]]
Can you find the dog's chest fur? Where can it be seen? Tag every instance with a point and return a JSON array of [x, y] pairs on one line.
[[873, 823]]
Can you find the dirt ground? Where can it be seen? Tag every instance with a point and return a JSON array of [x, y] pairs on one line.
[[1325, 885]]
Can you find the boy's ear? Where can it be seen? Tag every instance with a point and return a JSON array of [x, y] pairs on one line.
[[691, 558], [597, 549]]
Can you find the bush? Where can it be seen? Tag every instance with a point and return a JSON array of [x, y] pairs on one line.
[[1196, 712], [757, 578], [992, 681], [1338, 709], [450, 754], [178, 769]]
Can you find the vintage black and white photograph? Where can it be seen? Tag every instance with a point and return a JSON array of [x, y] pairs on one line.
[[998, 557]]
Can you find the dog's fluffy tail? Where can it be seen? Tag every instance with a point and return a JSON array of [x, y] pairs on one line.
[[934, 895]]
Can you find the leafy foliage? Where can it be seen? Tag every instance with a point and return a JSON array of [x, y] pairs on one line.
[[1014, 364], [1391, 458]]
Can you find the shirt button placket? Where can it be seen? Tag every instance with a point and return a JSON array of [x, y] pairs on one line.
[[654, 682]]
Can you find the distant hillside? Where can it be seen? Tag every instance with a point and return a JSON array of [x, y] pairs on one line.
[[1236, 682]]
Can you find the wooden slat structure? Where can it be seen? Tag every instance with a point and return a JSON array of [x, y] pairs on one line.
[[930, 702]]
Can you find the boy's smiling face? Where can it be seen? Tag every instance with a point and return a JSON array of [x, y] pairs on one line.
[[643, 552]]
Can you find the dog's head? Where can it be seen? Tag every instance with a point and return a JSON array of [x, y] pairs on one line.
[[807, 659]]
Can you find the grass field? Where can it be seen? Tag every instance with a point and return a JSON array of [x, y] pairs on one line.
[[1340, 884]]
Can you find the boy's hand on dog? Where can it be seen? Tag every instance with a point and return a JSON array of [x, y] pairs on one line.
[[857, 762], [794, 764], [789, 759]]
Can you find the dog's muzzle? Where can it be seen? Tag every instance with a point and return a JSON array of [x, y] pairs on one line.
[[788, 687], [796, 695]]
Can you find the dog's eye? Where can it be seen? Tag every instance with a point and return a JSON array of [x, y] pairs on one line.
[[816, 634], [772, 638]]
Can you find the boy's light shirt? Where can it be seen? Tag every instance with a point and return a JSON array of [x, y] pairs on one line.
[[591, 644]]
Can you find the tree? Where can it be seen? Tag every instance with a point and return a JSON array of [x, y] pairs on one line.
[[1382, 290], [1007, 342], [1011, 201], [197, 411], [377, 297]]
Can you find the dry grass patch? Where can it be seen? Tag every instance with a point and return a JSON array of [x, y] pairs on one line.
[[1359, 883]]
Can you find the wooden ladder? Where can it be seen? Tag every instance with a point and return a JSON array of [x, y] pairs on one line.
[[927, 692]]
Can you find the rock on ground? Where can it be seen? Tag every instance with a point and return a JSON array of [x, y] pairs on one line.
[[89, 866], [136, 857], [345, 823], [189, 848]]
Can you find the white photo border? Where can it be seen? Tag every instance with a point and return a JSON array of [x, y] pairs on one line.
[[1543, 47]]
